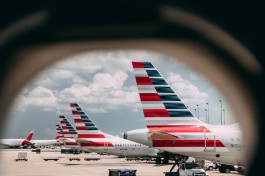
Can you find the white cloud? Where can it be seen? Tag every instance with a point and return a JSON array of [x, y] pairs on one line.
[[40, 96], [106, 92], [107, 81], [188, 92], [80, 62], [63, 74], [97, 80]]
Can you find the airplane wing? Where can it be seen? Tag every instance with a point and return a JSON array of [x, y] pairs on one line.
[[160, 135]]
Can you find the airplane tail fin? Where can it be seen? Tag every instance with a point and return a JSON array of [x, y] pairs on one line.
[[27, 141], [84, 125], [67, 128], [59, 131], [29, 138], [161, 105]]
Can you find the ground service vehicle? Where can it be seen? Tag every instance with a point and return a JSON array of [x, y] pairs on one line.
[[191, 169]]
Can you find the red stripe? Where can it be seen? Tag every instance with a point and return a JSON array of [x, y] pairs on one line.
[[155, 113], [91, 136], [81, 128], [179, 128], [78, 120], [137, 65], [75, 113], [30, 136], [66, 132], [64, 127], [143, 81], [186, 143], [149, 97], [25, 142], [97, 144], [72, 104]]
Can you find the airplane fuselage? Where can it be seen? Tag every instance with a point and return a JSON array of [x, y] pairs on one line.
[[45, 142], [118, 146], [211, 142], [12, 142]]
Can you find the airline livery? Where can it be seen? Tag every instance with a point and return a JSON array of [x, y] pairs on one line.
[[16, 143], [172, 127], [60, 136], [69, 134], [91, 138]]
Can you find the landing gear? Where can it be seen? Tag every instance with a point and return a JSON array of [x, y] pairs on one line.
[[166, 158], [178, 159], [158, 160]]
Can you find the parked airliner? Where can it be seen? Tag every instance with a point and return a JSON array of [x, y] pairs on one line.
[[91, 138], [16, 143], [172, 127]]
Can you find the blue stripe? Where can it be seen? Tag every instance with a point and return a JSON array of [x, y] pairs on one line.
[[174, 106], [76, 105], [92, 128], [147, 65], [86, 120], [89, 124], [169, 98], [81, 113], [158, 81], [180, 114], [78, 109], [153, 73], [164, 90], [84, 116], [73, 132]]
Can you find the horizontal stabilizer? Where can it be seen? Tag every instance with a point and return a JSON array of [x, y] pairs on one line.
[[160, 135]]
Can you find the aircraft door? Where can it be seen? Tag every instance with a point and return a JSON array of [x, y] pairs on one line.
[[106, 147], [209, 141]]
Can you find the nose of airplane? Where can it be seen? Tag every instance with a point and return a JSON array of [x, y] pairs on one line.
[[139, 136]]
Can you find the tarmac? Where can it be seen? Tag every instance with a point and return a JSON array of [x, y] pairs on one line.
[[37, 166]]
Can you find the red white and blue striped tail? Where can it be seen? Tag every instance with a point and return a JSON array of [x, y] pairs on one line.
[[68, 129], [161, 105], [84, 125], [59, 132]]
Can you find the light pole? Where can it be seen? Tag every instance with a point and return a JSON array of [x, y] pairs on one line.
[[221, 112], [206, 115], [208, 119], [195, 111], [224, 116], [198, 111]]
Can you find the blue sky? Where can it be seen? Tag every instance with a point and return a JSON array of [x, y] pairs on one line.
[[103, 84]]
